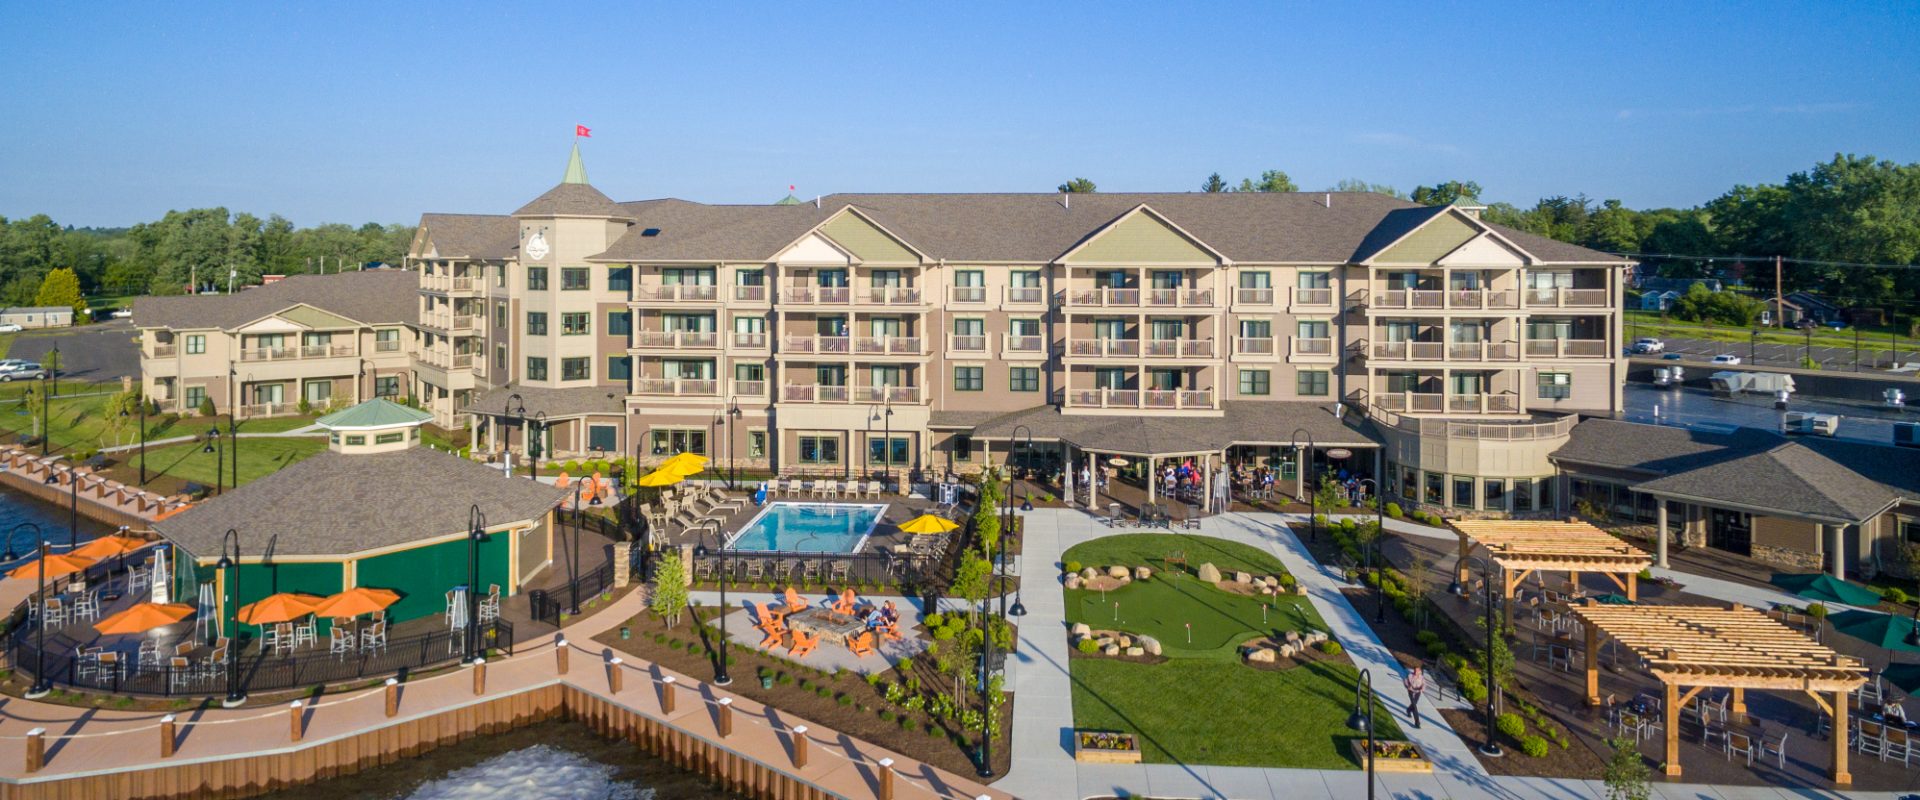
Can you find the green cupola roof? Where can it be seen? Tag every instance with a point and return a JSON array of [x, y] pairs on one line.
[[576, 169], [376, 413]]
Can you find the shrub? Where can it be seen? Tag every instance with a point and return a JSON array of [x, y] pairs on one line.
[[873, 679], [1510, 724], [1330, 647], [1455, 662], [1895, 594], [1394, 511], [844, 699], [783, 679], [1088, 646], [1817, 610], [935, 619], [1534, 746], [1073, 566], [206, 406], [906, 722], [1426, 637], [822, 690], [886, 716]]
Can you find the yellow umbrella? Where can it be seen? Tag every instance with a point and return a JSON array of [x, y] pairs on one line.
[[356, 601], [928, 524], [685, 463], [110, 546], [56, 566], [274, 608], [144, 617], [660, 477]]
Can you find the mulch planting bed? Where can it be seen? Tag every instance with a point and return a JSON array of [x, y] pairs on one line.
[[1574, 762], [847, 703]]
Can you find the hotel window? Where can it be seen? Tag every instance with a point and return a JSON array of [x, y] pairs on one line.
[[1024, 379], [1256, 382], [390, 438], [386, 340], [316, 340], [604, 438], [749, 372], [196, 344], [536, 368], [500, 358], [500, 315], [619, 368], [689, 276], [1109, 378], [1436, 488], [1314, 280], [576, 369], [1312, 383], [756, 444], [1022, 328], [499, 275], [1260, 279], [536, 279], [1462, 492], [619, 323], [1494, 493], [1409, 483], [386, 386], [1556, 385], [1523, 495], [819, 450], [877, 451], [195, 396], [575, 323], [969, 286], [1312, 329], [576, 279], [672, 441], [962, 447], [750, 277], [969, 379], [536, 323], [357, 440], [1257, 330], [1909, 529], [619, 279]]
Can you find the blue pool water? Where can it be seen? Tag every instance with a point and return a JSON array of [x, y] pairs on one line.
[[809, 528]]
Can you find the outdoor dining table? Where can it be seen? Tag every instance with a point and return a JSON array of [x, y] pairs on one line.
[[827, 624]]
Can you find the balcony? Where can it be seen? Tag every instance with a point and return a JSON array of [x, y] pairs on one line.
[[679, 293], [250, 410], [1135, 398], [968, 294], [828, 345], [676, 340], [1253, 345], [677, 387], [1445, 300], [1104, 298], [1567, 298], [967, 344], [1483, 351], [817, 295], [1566, 348], [436, 358], [1245, 296], [163, 351], [894, 296], [1108, 348], [1305, 299], [749, 340], [1299, 347], [296, 353], [888, 346], [1410, 351], [749, 294], [1179, 348], [819, 393], [886, 394], [447, 283], [1436, 402], [1179, 298], [447, 321], [386, 346], [1023, 346], [1026, 296], [750, 388]]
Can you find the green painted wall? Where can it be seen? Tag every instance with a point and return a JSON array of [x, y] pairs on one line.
[[866, 241], [1440, 236], [423, 575], [1143, 238], [259, 580]]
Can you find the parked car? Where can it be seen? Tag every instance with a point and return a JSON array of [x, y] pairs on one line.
[[11, 327], [22, 371], [1835, 324], [122, 313], [1726, 359], [1649, 345], [1673, 356]]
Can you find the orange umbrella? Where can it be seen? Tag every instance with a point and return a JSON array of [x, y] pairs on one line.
[[110, 546], [282, 607], [57, 566], [144, 617], [356, 601]]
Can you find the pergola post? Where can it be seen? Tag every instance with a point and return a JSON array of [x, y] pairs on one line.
[[1633, 587], [1837, 550], [1841, 777], [1660, 537], [1739, 710], [1460, 565], [1206, 487], [1593, 664], [1672, 706], [1506, 597]]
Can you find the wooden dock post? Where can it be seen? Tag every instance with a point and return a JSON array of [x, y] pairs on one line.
[[725, 722], [393, 697], [560, 652], [616, 677], [666, 696], [166, 736], [36, 749], [479, 676], [294, 721], [886, 779], [799, 747]]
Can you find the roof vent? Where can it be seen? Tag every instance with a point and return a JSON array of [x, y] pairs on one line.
[[1328, 200], [650, 232]]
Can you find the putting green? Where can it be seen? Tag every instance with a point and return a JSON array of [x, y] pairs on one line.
[[1167, 609]]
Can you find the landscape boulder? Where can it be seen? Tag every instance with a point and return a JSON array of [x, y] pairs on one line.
[[1241, 577], [1151, 645], [1089, 574], [1112, 650], [1124, 641], [1073, 581], [1209, 573], [1260, 655], [1142, 573], [1116, 571], [1081, 630], [1293, 636], [1289, 650], [1136, 651]]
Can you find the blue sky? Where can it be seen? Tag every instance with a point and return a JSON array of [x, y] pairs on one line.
[[350, 112]]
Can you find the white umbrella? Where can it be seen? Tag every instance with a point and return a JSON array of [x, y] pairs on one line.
[[457, 610], [160, 581], [205, 615]]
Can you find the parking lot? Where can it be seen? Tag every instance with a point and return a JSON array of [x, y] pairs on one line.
[[103, 352], [1786, 355]]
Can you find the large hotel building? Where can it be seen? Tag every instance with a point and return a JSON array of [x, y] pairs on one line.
[[931, 332]]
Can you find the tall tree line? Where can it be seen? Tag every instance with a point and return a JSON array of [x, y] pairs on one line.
[[164, 256]]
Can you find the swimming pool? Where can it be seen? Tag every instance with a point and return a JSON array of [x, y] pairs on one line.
[[809, 528]]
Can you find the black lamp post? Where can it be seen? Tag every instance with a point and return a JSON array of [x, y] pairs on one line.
[[733, 464], [41, 685], [536, 442], [218, 449], [476, 535], [73, 504], [1753, 346], [1363, 694], [1379, 533], [1313, 525], [53, 370], [885, 418], [574, 572], [720, 676], [516, 410], [143, 437], [1491, 748], [231, 562]]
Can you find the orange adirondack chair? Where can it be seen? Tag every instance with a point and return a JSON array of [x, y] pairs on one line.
[[803, 644], [773, 639], [846, 603], [795, 602], [862, 644], [770, 620]]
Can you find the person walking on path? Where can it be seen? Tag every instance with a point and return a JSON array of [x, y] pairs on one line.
[[1416, 683]]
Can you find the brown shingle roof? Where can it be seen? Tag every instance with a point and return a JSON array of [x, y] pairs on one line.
[[489, 236], [337, 504], [572, 200], [374, 297], [1243, 422]]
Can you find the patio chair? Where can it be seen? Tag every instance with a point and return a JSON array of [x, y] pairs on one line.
[[847, 602], [810, 571], [86, 607], [1897, 746], [838, 571], [180, 673], [873, 490], [109, 666], [788, 570], [1627, 722], [803, 644], [704, 568], [756, 569], [795, 603], [307, 632], [57, 612], [766, 617], [1871, 740], [341, 640], [862, 644], [213, 664], [1741, 744], [817, 490], [1776, 748], [374, 637]]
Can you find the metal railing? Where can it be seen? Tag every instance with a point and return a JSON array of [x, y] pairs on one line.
[[1253, 345], [1306, 346], [1566, 348], [1104, 298], [817, 344], [1567, 298], [299, 353], [1494, 431], [676, 339], [1253, 296], [894, 296], [969, 294], [1125, 348], [1026, 295], [967, 343], [750, 340], [677, 387], [1312, 297], [750, 388], [888, 345], [1135, 398], [677, 293], [163, 351], [750, 294], [1024, 344], [446, 283]]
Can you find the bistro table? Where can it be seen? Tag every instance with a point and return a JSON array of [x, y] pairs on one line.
[[827, 624]]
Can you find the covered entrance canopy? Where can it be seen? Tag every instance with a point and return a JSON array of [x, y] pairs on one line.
[[1523, 547], [1689, 648]]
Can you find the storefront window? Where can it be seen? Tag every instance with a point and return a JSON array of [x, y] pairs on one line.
[[1436, 488], [1409, 483], [1523, 495], [1463, 493], [1495, 493]]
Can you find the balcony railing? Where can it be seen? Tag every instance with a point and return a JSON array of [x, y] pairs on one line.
[[1026, 295], [817, 295], [1436, 402], [448, 322], [1134, 398], [1310, 347], [820, 393], [1567, 298], [1410, 351], [447, 283], [1033, 345], [1125, 348], [894, 296], [1449, 299], [975, 344], [887, 345], [704, 340], [1483, 351], [750, 340], [1104, 298], [296, 353], [442, 360], [1253, 297], [677, 387], [386, 346], [886, 394], [1566, 348], [750, 388], [163, 351], [750, 294], [678, 293], [268, 409], [969, 294], [1253, 345], [1179, 298], [835, 345], [1317, 298]]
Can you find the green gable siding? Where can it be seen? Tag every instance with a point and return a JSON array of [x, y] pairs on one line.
[[315, 318], [866, 241], [1440, 236], [423, 575], [1142, 238]]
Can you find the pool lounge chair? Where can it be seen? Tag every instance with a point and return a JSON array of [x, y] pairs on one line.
[[873, 490], [817, 490], [756, 569], [837, 572]]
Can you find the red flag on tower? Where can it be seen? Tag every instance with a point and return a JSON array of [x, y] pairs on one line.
[[583, 131]]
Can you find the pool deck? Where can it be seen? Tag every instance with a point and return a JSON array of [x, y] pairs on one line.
[[900, 508]]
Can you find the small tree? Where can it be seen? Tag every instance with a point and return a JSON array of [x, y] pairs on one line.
[[36, 400], [61, 288], [1078, 186], [1626, 773], [669, 590], [970, 580], [206, 407], [123, 414]]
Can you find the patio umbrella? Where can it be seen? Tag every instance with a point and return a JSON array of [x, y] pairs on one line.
[[1614, 600], [110, 546], [1886, 630], [685, 463], [275, 608], [143, 617], [1904, 676], [1824, 588], [57, 566], [928, 524], [356, 601], [660, 477]]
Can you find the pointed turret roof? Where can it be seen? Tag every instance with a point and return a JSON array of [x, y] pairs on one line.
[[789, 200], [574, 197]]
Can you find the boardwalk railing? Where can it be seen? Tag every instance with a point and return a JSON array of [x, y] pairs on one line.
[[546, 605]]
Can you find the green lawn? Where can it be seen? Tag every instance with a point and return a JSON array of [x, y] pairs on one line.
[[1648, 323], [81, 423], [1202, 706], [171, 466], [276, 424]]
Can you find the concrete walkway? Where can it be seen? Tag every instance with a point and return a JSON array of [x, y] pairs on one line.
[[1043, 765]]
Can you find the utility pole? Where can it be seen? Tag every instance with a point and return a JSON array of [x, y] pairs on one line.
[[1779, 296]]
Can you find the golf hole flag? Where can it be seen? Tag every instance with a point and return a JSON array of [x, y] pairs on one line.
[[583, 131]]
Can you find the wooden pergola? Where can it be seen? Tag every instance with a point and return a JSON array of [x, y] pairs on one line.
[[1524, 547], [1690, 648]]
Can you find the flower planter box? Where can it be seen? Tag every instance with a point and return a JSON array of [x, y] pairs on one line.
[[1102, 747], [1391, 756]]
